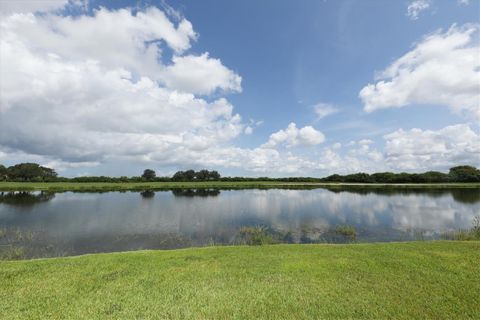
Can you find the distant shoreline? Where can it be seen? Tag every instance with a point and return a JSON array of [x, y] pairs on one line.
[[135, 186]]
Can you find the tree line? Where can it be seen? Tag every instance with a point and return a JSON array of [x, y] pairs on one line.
[[27, 172], [36, 173], [189, 175]]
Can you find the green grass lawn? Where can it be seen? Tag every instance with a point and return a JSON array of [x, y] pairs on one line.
[[107, 186], [435, 280]]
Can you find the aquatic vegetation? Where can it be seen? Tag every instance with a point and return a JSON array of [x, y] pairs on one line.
[[347, 231], [12, 253], [471, 234], [255, 236], [476, 227]]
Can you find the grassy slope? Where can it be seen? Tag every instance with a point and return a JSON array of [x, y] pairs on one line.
[[436, 280], [105, 186]]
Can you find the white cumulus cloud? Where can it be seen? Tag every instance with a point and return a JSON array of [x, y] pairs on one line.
[[417, 148], [26, 6], [200, 75], [293, 136], [443, 69], [88, 89]]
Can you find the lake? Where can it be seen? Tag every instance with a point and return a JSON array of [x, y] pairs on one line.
[[43, 224]]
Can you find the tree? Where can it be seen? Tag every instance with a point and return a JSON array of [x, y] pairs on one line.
[[464, 174], [202, 175], [30, 171], [190, 175], [214, 175], [148, 174], [179, 176], [3, 172]]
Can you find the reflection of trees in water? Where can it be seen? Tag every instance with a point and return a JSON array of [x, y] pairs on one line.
[[466, 197], [463, 195], [195, 192], [25, 198], [147, 194]]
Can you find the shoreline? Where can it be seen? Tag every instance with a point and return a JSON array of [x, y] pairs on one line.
[[136, 186]]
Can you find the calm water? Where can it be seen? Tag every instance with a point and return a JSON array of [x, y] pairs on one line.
[[53, 224]]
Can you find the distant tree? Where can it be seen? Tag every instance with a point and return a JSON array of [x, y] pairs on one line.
[[464, 174], [202, 175], [148, 174], [434, 176], [384, 177], [214, 175], [179, 176], [190, 175], [3, 172], [334, 178], [30, 172], [358, 177]]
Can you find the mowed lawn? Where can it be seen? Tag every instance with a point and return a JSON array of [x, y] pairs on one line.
[[415, 280]]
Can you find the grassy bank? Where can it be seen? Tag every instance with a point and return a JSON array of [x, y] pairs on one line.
[[125, 186], [436, 280]]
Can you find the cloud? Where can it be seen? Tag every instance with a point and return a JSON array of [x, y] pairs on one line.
[[443, 69], [95, 89], [463, 2], [292, 136], [200, 75], [26, 6], [417, 148], [323, 110], [112, 37], [415, 7]]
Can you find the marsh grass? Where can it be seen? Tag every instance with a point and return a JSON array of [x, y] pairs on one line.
[[256, 236], [8, 252], [464, 235], [347, 231]]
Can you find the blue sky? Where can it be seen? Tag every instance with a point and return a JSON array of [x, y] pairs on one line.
[[290, 55]]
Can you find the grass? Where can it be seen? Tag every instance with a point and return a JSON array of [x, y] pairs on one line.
[[125, 186], [465, 235], [347, 231], [416, 280]]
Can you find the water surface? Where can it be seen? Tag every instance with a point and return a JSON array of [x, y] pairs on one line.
[[53, 224]]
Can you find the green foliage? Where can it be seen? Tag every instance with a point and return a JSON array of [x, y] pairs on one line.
[[12, 253], [3, 172], [347, 231], [456, 174], [255, 236], [149, 174], [465, 235], [30, 172], [191, 175], [465, 174]]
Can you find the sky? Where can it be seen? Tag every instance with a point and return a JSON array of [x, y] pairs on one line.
[[251, 88]]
